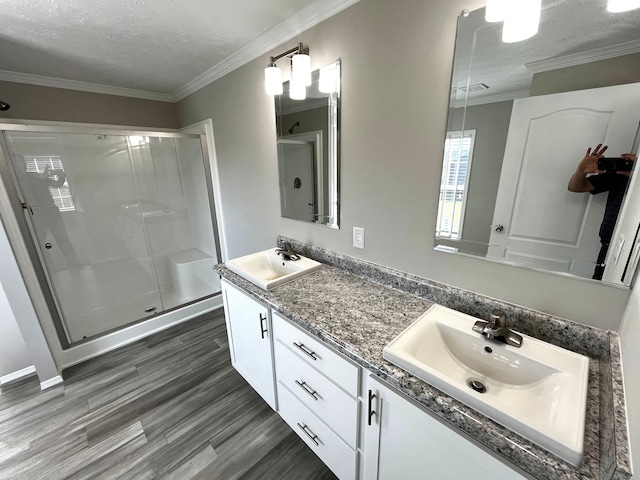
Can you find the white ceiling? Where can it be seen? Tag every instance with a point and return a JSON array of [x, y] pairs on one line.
[[160, 49], [571, 32]]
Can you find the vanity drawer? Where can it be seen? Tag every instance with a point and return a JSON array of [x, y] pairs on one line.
[[335, 407], [336, 454], [317, 354]]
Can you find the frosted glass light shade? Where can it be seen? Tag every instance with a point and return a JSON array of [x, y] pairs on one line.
[[522, 20], [301, 69], [297, 91], [496, 10], [328, 81], [616, 6], [273, 81]]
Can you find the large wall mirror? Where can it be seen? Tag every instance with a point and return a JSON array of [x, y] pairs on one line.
[[521, 118], [308, 149]]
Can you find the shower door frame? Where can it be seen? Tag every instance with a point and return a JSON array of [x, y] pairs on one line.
[[11, 200]]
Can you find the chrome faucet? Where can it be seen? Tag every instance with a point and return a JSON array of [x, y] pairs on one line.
[[287, 253], [496, 329]]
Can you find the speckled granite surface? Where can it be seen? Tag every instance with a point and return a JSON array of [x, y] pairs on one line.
[[358, 307]]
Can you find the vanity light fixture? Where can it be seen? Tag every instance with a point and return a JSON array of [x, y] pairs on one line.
[[496, 10], [300, 73], [328, 79], [616, 6], [521, 21]]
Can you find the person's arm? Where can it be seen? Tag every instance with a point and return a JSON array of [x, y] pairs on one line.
[[589, 164]]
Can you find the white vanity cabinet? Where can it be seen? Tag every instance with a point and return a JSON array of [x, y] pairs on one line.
[[359, 427], [403, 441], [249, 330], [318, 396]]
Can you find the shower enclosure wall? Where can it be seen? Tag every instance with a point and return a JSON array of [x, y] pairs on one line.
[[123, 225]]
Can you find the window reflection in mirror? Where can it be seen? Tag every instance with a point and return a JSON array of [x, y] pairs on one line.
[[308, 150], [534, 107]]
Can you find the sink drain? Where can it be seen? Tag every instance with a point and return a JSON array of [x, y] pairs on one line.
[[477, 386]]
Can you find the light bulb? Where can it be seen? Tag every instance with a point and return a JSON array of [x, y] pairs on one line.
[[328, 81], [496, 10], [273, 80], [522, 20], [617, 6], [301, 69], [297, 91]]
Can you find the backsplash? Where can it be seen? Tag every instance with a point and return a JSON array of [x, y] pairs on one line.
[[573, 336]]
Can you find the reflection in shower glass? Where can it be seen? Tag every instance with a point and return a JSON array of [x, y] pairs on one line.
[[123, 224]]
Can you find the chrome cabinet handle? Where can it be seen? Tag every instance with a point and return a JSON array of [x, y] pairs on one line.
[[263, 330], [309, 390], [371, 412], [305, 350], [309, 434]]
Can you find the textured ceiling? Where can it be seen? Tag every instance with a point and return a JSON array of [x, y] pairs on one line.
[[151, 45], [566, 27]]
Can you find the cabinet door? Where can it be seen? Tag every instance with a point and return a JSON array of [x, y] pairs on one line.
[[249, 330], [403, 441]]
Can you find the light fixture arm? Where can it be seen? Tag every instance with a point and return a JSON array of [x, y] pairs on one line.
[[293, 51]]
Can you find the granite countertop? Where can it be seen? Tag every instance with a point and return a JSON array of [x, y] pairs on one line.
[[359, 317]]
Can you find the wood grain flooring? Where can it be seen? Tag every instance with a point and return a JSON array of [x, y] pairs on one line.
[[166, 407]]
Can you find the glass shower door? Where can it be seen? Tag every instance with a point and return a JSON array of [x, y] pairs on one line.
[[86, 215], [180, 232]]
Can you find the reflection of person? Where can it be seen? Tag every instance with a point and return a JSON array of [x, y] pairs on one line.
[[588, 178], [50, 219]]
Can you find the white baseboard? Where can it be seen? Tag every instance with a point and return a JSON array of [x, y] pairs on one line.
[[17, 375], [51, 382]]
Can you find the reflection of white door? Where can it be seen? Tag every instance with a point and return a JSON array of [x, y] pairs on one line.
[[543, 224], [297, 178]]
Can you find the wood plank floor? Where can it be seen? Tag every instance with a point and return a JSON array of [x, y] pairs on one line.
[[166, 407]]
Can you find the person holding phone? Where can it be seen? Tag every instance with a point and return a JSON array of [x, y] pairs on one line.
[[595, 175]]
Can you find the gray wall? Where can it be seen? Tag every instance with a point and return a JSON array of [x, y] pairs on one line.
[[34, 102], [612, 71], [630, 340], [491, 123], [393, 119], [13, 351]]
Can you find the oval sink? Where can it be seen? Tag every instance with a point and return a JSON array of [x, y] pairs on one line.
[[267, 270], [538, 390]]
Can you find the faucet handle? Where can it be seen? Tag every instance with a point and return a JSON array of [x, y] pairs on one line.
[[498, 317]]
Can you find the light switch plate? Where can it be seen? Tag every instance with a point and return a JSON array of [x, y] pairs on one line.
[[358, 237]]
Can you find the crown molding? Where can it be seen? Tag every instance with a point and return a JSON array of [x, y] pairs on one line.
[[292, 26], [53, 82], [589, 56], [500, 97]]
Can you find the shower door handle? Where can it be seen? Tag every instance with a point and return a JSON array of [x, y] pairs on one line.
[[26, 206]]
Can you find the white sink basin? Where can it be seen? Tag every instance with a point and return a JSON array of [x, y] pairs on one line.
[[268, 270], [538, 390]]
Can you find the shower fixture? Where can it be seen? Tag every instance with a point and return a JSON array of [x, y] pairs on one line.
[[297, 124], [4, 106]]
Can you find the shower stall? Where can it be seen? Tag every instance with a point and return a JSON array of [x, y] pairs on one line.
[[120, 224]]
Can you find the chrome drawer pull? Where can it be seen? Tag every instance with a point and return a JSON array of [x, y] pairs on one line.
[[310, 434], [308, 352], [309, 390]]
